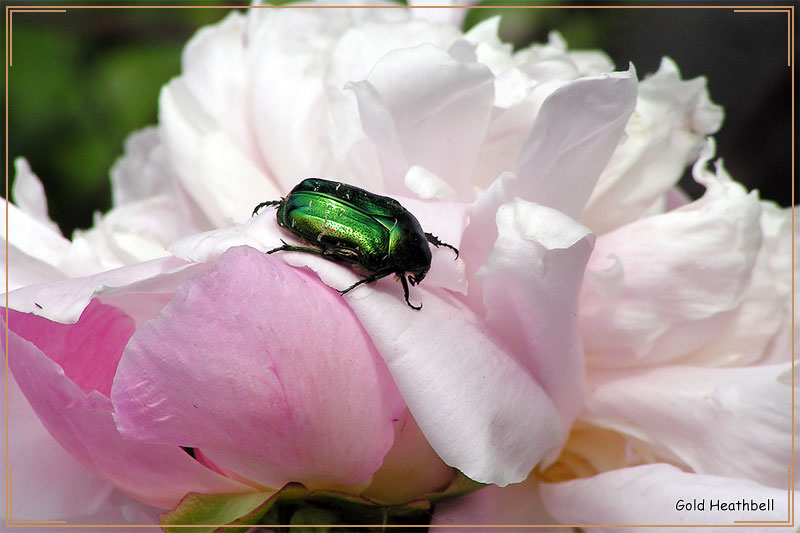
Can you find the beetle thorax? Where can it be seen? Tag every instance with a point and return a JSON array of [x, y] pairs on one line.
[[410, 252]]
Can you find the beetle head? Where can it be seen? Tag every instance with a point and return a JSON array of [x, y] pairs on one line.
[[416, 277]]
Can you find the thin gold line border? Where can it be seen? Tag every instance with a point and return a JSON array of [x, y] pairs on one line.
[[10, 10]]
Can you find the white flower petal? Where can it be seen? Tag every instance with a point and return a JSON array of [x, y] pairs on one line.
[[131, 233], [260, 232], [286, 92], [648, 495], [25, 270], [215, 70], [489, 49], [591, 62], [428, 185], [481, 234], [665, 133], [449, 16], [355, 159], [506, 134], [683, 272], [531, 282], [307, 123], [421, 107], [213, 170], [572, 139], [32, 237], [28, 194], [445, 220], [143, 171], [36, 249], [725, 421], [63, 301], [765, 313], [450, 374]]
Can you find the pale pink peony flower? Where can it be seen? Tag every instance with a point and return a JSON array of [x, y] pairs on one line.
[[601, 338]]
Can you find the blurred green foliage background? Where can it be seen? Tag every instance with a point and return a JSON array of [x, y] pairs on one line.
[[81, 81]]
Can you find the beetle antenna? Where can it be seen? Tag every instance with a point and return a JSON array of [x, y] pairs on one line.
[[434, 240], [265, 204]]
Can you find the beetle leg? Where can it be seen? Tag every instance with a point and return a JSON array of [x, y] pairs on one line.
[[290, 248], [405, 290], [434, 240], [265, 204], [370, 279]]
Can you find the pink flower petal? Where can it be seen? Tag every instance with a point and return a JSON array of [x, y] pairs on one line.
[[82, 424], [265, 370], [120, 510], [682, 274], [88, 351], [47, 482], [419, 103], [705, 417], [649, 494], [143, 300], [411, 467], [531, 282]]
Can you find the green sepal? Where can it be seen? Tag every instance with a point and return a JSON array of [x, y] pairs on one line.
[[461, 485], [314, 517], [296, 505], [208, 511]]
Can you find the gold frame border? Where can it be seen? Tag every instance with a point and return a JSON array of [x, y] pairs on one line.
[[11, 9]]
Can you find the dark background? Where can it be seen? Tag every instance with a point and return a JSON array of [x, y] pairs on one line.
[[83, 80]]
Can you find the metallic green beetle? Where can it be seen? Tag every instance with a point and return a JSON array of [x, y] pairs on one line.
[[375, 234]]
